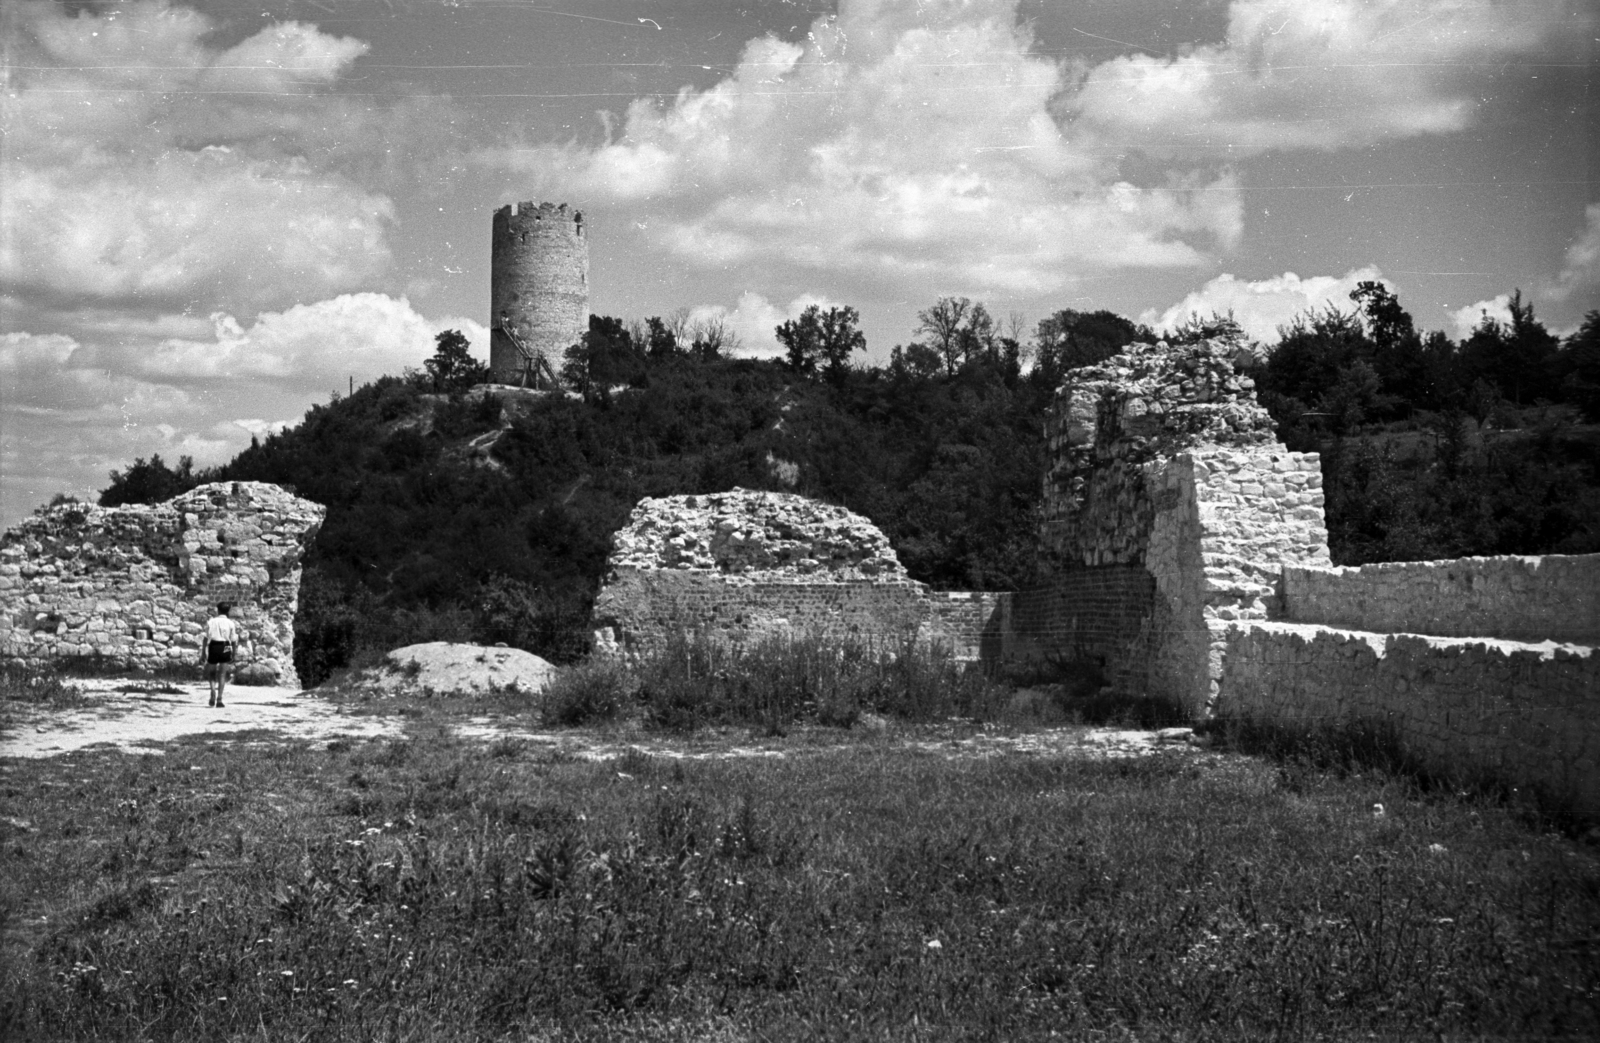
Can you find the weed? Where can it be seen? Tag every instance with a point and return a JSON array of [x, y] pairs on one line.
[[39, 686]]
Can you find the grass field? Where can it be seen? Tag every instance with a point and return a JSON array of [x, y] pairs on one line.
[[859, 887]]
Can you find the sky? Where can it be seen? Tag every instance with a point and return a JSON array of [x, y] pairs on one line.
[[214, 215]]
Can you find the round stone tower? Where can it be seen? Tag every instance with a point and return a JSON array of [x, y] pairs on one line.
[[538, 290]]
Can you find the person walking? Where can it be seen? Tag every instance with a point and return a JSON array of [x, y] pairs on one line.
[[217, 649]]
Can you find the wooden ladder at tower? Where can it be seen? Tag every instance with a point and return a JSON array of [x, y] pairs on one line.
[[533, 365]]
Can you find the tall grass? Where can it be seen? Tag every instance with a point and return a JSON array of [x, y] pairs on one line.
[[776, 682], [419, 890]]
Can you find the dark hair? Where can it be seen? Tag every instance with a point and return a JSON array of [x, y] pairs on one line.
[[223, 607]]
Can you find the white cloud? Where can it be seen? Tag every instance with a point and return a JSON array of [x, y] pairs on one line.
[[302, 348], [78, 409], [1317, 74], [1581, 265], [754, 319], [903, 142], [1262, 305], [1465, 320], [262, 428], [128, 177]]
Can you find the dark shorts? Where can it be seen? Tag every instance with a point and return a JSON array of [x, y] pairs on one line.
[[219, 653]]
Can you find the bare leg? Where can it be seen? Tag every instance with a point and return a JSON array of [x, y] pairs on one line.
[[222, 680]]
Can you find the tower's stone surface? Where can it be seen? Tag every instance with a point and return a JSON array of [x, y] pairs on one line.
[[538, 285]]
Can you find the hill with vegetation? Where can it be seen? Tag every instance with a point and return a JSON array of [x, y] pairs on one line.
[[458, 512]]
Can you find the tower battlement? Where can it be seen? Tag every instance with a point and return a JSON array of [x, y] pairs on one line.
[[552, 215], [538, 288]]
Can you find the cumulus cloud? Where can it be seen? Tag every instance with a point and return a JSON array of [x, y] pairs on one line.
[[144, 165], [754, 319], [1465, 320], [901, 142], [913, 144], [1581, 265], [78, 409], [301, 349], [1316, 74], [1263, 305]]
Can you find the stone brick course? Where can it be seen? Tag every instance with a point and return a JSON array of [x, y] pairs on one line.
[[1555, 597], [1470, 709], [133, 585]]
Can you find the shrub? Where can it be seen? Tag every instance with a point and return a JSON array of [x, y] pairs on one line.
[[41, 685], [596, 690]]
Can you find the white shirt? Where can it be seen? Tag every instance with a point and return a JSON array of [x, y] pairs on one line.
[[221, 628]]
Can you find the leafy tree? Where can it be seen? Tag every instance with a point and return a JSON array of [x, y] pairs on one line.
[[1582, 383], [607, 356], [153, 481], [663, 337], [1069, 339], [801, 339], [980, 338], [943, 323], [1518, 357], [915, 362], [838, 338], [452, 367]]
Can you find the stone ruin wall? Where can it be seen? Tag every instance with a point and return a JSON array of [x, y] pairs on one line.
[[742, 565], [1189, 562], [1480, 667], [132, 586], [1161, 460]]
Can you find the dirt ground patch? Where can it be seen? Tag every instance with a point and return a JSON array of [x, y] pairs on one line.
[[141, 721]]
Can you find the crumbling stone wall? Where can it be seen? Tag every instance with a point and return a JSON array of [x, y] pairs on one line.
[[1161, 458], [742, 565], [133, 586]]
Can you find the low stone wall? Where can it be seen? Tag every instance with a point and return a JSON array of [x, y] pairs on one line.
[[134, 585], [641, 610], [1469, 709], [1556, 597]]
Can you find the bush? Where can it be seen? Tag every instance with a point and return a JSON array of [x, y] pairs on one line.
[[596, 690]]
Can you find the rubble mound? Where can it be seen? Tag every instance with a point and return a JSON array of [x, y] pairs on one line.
[[757, 535], [444, 668]]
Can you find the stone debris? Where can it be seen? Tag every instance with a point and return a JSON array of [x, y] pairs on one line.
[[443, 668], [757, 535]]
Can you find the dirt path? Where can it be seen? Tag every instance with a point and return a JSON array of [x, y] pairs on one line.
[[141, 721], [136, 721]]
